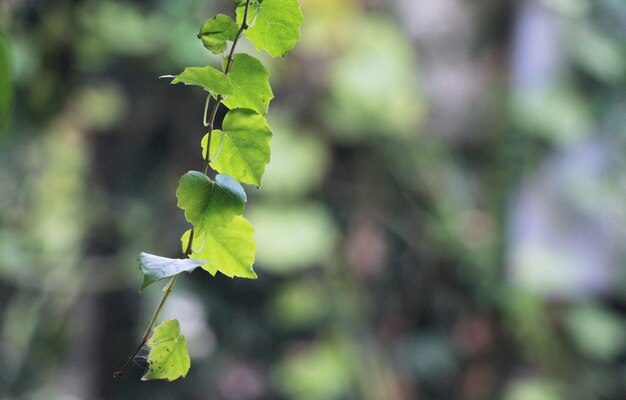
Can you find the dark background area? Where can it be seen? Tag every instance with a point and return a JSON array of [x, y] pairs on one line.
[[442, 218]]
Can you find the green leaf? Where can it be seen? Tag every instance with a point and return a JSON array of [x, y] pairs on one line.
[[274, 25], [155, 268], [216, 31], [251, 84], [169, 358], [240, 3], [244, 148], [229, 250], [209, 204], [209, 78]]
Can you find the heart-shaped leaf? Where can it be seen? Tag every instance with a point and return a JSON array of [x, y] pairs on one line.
[[242, 149], [216, 31], [210, 204], [229, 250], [169, 357]]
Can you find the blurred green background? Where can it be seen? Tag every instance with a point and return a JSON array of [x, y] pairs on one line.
[[443, 216]]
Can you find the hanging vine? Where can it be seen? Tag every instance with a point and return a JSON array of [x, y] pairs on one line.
[[220, 238]]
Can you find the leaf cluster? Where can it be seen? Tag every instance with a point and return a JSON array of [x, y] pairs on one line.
[[221, 239]]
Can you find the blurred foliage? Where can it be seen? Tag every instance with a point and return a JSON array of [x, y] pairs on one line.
[[373, 89], [442, 216], [6, 88]]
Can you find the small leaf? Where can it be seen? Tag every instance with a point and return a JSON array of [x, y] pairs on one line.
[[169, 357], [209, 78], [216, 31], [251, 85], [275, 25], [240, 3], [208, 204], [155, 268], [229, 250], [244, 148]]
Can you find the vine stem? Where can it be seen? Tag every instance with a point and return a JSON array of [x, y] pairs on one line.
[[209, 124], [166, 292], [218, 100]]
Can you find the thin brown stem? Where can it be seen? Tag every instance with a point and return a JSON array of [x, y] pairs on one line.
[[244, 26], [166, 292], [189, 250]]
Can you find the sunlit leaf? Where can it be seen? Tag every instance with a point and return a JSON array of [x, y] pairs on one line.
[[242, 148], [251, 84], [209, 78], [216, 31], [169, 358], [155, 268], [229, 250], [210, 204], [274, 25]]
